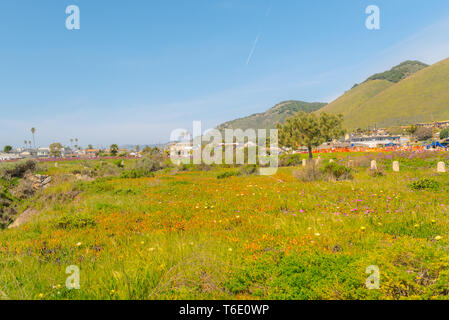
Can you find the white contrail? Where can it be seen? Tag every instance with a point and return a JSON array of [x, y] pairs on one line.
[[253, 49]]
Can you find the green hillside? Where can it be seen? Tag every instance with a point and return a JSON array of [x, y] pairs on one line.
[[422, 97], [383, 101], [350, 102], [268, 119], [399, 72]]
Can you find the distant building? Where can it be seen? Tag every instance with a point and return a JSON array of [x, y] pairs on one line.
[[8, 156], [43, 152], [181, 149], [378, 141], [91, 153], [436, 124]]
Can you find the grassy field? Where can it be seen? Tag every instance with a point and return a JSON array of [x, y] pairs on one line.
[[189, 235]]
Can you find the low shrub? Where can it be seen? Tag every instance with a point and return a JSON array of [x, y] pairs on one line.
[[74, 221], [310, 173], [228, 174], [248, 169], [376, 173], [334, 171], [425, 184], [136, 173], [17, 169], [291, 160]]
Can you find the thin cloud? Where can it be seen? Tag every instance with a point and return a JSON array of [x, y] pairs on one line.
[[253, 49]]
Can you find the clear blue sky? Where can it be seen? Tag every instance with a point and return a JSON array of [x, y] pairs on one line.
[[138, 69]]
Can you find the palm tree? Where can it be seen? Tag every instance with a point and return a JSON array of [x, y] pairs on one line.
[[71, 143], [25, 142], [33, 131]]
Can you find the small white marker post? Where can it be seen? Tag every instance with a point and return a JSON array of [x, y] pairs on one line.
[[374, 165], [396, 166], [304, 162], [441, 167]]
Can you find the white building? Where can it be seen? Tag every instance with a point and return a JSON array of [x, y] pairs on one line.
[[8, 156], [43, 152]]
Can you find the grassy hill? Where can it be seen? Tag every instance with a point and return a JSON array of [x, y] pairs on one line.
[[419, 97], [349, 103], [268, 119], [399, 72]]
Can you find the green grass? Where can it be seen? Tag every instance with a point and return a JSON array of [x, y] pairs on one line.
[[189, 235]]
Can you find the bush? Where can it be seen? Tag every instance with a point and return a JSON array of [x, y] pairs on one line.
[[248, 169], [136, 173], [376, 173], [74, 221], [423, 134], [444, 134], [23, 190], [107, 169], [337, 172], [291, 160], [425, 184], [309, 173], [17, 169], [119, 163], [228, 174]]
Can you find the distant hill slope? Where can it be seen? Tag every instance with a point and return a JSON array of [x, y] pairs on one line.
[[399, 72], [269, 118], [411, 92], [349, 103], [421, 97]]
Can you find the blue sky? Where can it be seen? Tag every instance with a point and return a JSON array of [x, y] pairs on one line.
[[137, 70]]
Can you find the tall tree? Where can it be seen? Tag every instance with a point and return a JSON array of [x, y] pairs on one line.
[[310, 130], [33, 131], [55, 149], [26, 143], [7, 149], [113, 149]]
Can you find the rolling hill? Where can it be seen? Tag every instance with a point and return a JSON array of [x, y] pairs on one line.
[[349, 103], [399, 72], [269, 118], [409, 93]]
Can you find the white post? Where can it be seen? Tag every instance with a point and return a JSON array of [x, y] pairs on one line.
[[374, 165], [396, 166], [441, 167], [304, 162]]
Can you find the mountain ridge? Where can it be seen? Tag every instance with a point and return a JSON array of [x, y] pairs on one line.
[[269, 118]]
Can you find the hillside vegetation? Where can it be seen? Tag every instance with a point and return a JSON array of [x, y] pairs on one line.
[[399, 72], [420, 97], [350, 102], [269, 119]]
